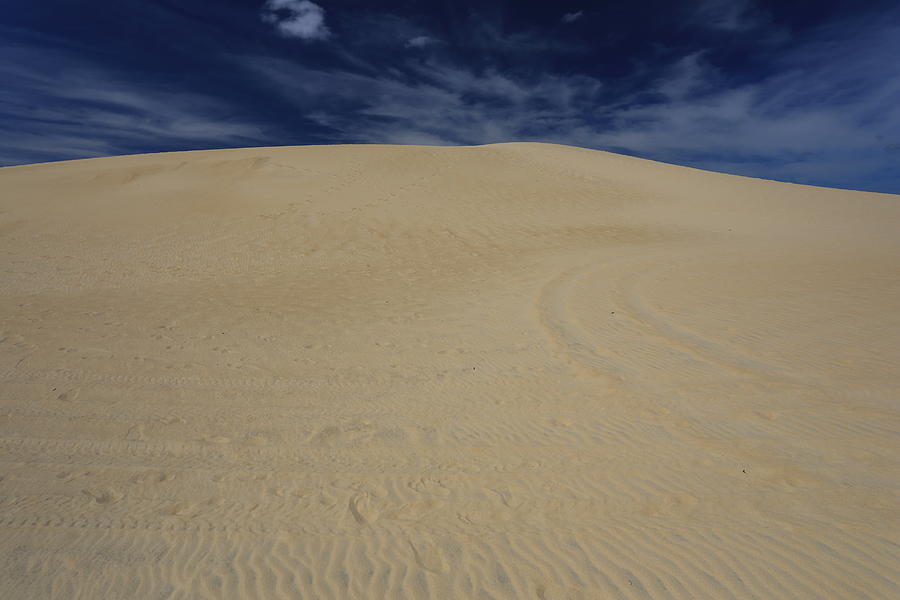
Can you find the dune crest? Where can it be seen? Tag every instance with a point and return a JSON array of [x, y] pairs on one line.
[[506, 371]]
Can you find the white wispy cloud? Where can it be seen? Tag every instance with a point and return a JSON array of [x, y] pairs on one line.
[[828, 112], [572, 16], [822, 109], [431, 100], [727, 15], [827, 115], [420, 41], [493, 39], [54, 107], [297, 19]]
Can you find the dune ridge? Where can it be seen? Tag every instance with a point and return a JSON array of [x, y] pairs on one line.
[[504, 371]]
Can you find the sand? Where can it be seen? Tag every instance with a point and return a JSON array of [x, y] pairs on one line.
[[507, 371]]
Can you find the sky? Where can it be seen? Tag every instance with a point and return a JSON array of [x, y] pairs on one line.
[[806, 91]]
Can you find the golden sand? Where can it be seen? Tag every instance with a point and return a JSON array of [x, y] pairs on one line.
[[507, 371]]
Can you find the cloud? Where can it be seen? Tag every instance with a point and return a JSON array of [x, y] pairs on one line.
[[366, 34], [53, 107], [434, 101], [824, 110], [297, 19], [493, 40], [816, 119], [420, 41], [728, 15], [733, 17], [825, 116], [572, 17]]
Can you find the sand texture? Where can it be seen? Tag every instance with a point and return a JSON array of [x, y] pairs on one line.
[[507, 371]]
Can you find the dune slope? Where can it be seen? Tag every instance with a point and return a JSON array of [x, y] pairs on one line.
[[508, 371]]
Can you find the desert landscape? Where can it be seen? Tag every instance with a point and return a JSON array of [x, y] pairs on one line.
[[506, 371]]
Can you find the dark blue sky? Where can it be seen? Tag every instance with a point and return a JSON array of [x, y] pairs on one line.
[[804, 91]]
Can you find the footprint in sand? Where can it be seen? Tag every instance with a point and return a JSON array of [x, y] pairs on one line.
[[175, 510], [362, 508], [428, 556], [151, 477], [216, 439], [429, 485], [414, 511], [68, 395], [326, 436], [136, 434], [551, 591], [257, 439], [103, 496], [68, 476]]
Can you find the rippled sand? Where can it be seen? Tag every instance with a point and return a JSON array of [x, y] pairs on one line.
[[509, 371]]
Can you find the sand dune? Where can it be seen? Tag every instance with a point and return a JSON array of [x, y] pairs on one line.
[[508, 371]]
